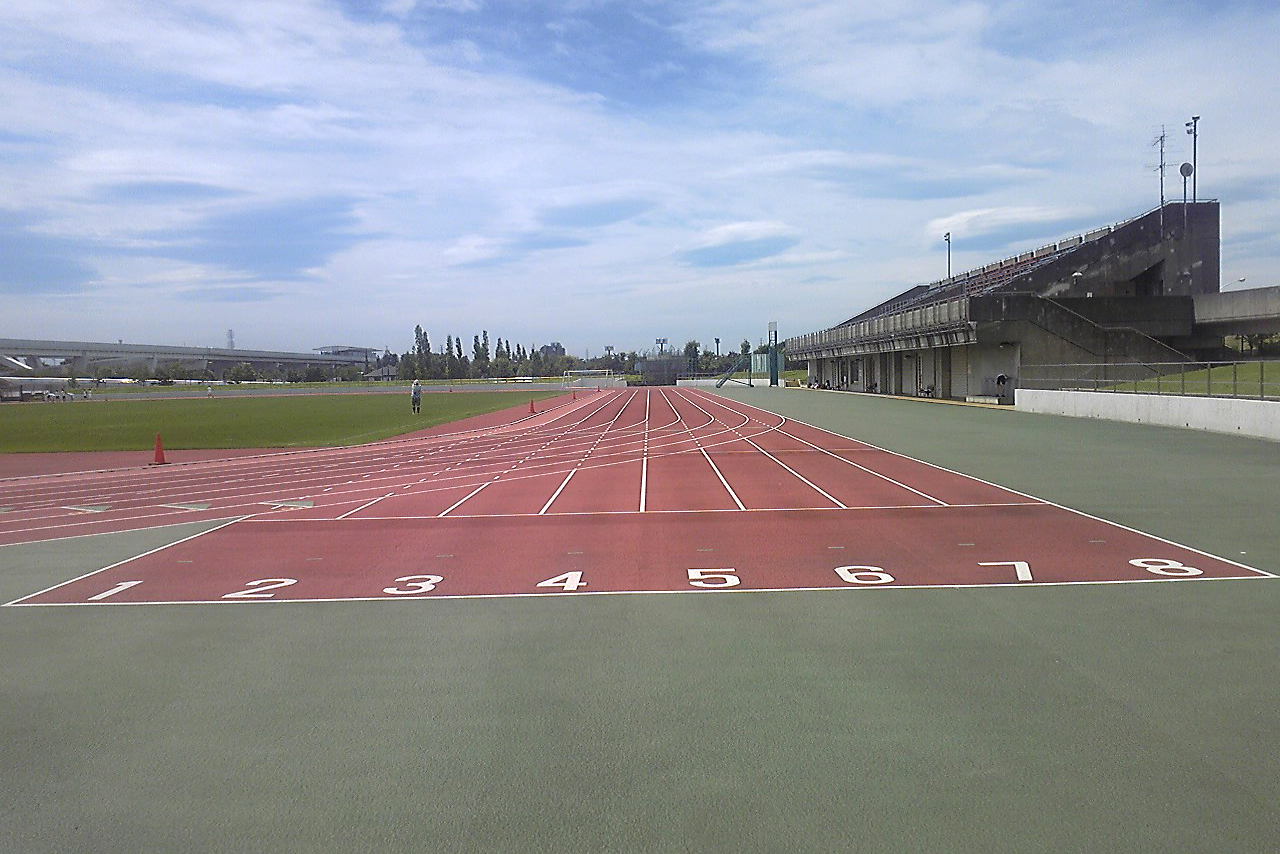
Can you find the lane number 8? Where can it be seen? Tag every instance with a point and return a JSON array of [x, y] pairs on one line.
[[1161, 566]]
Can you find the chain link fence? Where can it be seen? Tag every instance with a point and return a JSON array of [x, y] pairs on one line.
[[1259, 380]]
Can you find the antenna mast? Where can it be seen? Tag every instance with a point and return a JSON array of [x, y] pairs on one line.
[[1160, 142]]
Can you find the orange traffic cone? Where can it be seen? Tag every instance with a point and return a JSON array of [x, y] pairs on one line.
[[159, 457]]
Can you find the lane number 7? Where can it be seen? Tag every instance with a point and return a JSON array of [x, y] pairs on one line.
[[1020, 566]]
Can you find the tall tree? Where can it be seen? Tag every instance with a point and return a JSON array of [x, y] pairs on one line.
[[450, 360], [422, 352], [407, 369], [480, 356], [464, 364]]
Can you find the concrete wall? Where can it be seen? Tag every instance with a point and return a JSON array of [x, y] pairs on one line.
[[1147, 254], [988, 361], [1258, 418], [1256, 310], [1051, 334]]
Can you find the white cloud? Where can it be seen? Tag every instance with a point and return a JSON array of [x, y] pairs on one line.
[[986, 220], [735, 232], [842, 143]]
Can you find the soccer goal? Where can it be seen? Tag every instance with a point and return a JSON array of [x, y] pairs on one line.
[[593, 379]]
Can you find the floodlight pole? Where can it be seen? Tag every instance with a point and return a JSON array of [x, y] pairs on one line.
[[947, 237], [773, 353], [1186, 170], [1195, 137]]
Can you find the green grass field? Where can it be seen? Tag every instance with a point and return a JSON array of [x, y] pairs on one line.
[[1243, 379], [262, 421]]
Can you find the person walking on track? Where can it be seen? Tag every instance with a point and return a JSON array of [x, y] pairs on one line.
[[416, 397]]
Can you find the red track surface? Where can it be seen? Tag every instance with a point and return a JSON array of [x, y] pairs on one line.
[[627, 491]]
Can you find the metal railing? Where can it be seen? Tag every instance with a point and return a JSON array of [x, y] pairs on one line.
[[927, 318], [1259, 380]]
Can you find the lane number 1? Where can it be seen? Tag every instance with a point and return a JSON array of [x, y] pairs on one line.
[[123, 585]]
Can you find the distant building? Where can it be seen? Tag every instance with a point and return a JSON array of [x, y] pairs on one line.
[[384, 374], [344, 351]]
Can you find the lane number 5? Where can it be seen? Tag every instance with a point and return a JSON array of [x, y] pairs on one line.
[[714, 578]]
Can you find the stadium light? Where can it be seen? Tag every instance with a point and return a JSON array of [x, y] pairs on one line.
[[947, 237]]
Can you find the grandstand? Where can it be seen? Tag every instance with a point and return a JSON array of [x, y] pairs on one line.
[[1121, 293]]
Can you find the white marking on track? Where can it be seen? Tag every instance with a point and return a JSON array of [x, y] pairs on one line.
[[559, 490], [366, 504]]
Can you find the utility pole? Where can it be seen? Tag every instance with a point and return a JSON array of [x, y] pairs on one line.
[[1159, 141]]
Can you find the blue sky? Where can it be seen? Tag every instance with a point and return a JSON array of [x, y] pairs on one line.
[[593, 172]]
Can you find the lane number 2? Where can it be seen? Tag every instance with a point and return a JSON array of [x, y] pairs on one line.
[[258, 589]]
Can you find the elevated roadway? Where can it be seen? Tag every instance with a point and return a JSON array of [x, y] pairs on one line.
[[18, 355]]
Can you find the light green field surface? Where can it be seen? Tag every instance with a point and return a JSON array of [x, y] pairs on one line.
[[1243, 379], [1108, 718], [276, 421]]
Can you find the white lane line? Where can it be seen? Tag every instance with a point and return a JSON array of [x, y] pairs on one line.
[[727, 487], [556, 494], [644, 479], [797, 474], [585, 455], [884, 477], [702, 450], [837, 502], [462, 501], [644, 458], [366, 504]]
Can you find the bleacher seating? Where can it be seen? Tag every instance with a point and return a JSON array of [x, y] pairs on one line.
[[979, 281]]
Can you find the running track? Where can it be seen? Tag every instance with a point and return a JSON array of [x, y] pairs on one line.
[[636, 490]]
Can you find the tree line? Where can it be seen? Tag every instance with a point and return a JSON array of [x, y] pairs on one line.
[[503, 359]]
